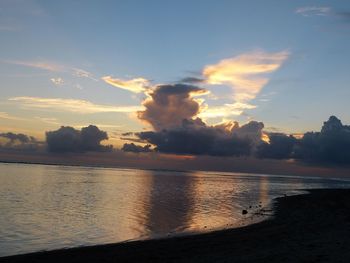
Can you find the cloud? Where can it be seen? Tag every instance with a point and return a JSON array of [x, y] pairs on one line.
[[330, 145], [44, 65], [131, 147], [168, 105], [5, 115], [83, 74], [19, 141], [127, 134], [314, 11], [13, 137], [70, 105], [309, 11], [57, 81], [226, 110], [137, 85], [193, 80], [54, 67], [51, 121], [68, 139], [246, 74], [195, 137], [279, 146]]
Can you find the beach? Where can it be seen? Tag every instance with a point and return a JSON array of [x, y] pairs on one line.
[[311, 227]]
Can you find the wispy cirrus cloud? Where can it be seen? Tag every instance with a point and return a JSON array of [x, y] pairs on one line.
[[54, 67], [51, 121], [70, 105], [83, 74], [136, 85], [314, 11], [39, 64], [309, 11], [6, 116]]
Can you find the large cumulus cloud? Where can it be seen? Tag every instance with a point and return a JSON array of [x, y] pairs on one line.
[[168, 105], [68, 139], [331, 144], [195, 137], [172, 109]]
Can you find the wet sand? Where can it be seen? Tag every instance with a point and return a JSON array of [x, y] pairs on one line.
[[306, 228]]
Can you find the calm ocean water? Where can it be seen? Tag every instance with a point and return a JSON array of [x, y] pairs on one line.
[[49, 207]]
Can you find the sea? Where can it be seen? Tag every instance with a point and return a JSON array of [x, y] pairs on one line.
[[46, 207]]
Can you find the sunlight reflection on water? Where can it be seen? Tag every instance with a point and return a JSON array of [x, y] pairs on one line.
[[49, 207]]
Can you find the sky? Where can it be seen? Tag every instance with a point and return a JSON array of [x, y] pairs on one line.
[[75, 63]]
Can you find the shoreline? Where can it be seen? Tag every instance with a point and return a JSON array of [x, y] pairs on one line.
[[313, 227]]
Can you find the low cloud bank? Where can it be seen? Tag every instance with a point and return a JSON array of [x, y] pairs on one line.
[[131, 147], [280, 146], [68, 139], [19, 141], [17, 137], [195, 137], [330, 145]]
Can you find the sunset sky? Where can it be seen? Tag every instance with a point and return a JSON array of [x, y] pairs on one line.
[[285, 63]]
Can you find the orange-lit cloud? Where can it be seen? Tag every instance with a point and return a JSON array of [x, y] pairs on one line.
[[137, 85], [246, 74], [226, 110], [71, 105]]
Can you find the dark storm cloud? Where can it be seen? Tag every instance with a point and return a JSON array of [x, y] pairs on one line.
[[127, 134], [131, 147], [169, 105], [331, 145], [20, 142], [195, 137], [17, 137], [192, 80], [68, 139], [280, 146]]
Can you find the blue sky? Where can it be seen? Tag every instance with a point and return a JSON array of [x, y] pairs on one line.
[[62, 49]]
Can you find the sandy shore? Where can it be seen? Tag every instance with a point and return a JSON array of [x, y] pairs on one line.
[[306, 228]]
